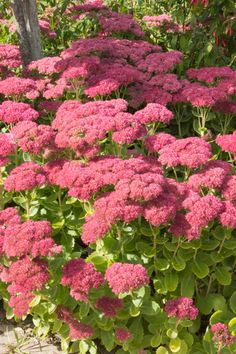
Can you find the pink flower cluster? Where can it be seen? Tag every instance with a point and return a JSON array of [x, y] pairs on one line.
[[10, 56], [25, 276], [123, 334], [33, 138], [126, 277], [182, 308], [29, 241], [77, 330], [30, 238], [13, 112], [7, 147], [81, 277], [221, 335], [109, 305], [26, 176]]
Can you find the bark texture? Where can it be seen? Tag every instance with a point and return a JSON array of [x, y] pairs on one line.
[[25, 13]]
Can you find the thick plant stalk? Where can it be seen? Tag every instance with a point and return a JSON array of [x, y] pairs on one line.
[[25, 12]]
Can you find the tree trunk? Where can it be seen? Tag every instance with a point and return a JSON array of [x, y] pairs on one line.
[[25, 12]]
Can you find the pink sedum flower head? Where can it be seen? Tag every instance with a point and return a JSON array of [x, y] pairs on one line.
[[30, 238], [109, 305], [7, 147], [80, 331], [77, 331], [213, 175], [80, 277], [18, 86], [228, 189], [46, 65], [123, 334], [10, 56], [33, 138], [221, 334], [227, 142], [190, 152], [228, 217], [182, 308], [125, 277], [154, 112], [26, 176], [156, 142], [13, 112], [25, 276]]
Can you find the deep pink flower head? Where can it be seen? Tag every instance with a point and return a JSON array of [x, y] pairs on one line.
[[8, 217], [26, 176], [210, 74], [154, 112], [7, 144], [228, 188], [161, 210], [33, 138], [122, 334], [221, 334], [21, 303], [204, 210], [228, 216], [182, 308], [156, 142], [13, 112], [109, 305], [10, 56], [125, 277], [213, 175], [30, 274], [25, 276], [30, 238], [18, 86], [191, 152], [77, 67], [80, 277], [227, 142], [78, 331]]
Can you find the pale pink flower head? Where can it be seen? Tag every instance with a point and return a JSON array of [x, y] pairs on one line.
[[221, 334], [182, 308], [227, 142], [109, 305], [125, 277], [46, 65], [156, 142], [154, 112], [123, 334], [13, 112], [81, 277], [33, 138], [191, 152], [26, 176]]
